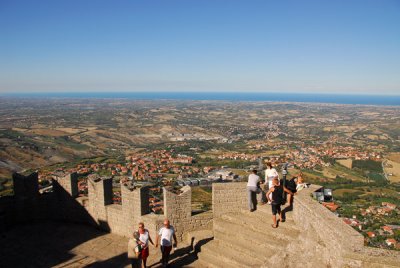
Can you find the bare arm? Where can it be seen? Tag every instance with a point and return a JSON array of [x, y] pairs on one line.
[[151, 241]]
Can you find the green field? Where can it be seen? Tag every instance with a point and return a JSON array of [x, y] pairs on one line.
[[202, 198]]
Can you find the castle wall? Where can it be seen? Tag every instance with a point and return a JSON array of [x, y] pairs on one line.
[[229, 198], [178, 209], [69, 182], [328, 241], [100, 195], [26, 187], [97, 209]]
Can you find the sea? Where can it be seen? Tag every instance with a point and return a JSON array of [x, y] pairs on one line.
[[393, 100]]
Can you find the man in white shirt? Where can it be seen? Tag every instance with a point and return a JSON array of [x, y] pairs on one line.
[[253, 190], [166, 233]]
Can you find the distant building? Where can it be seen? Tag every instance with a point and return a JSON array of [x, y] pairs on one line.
[[387, 229], [331, 206], [391, 242], [371, 234]]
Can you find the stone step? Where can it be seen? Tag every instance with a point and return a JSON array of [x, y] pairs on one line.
[[199, 238], [285, 231], [262, 251], [266, 211], [198, 235], [219, 253], [265, 216], [208, 261], [263, 219], [243, 233]]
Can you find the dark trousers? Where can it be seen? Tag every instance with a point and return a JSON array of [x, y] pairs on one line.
[[165, 251]]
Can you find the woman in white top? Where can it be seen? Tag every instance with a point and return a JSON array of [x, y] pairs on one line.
[[144, 239], [270, 174]]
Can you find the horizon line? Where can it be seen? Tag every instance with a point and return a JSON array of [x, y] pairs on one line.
[[202, 92]]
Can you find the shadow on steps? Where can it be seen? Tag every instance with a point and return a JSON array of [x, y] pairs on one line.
[[184, 257]]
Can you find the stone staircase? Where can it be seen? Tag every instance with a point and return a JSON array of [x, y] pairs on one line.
[[246, 239]]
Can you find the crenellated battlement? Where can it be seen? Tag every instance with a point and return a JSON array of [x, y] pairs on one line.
[[97, 208]]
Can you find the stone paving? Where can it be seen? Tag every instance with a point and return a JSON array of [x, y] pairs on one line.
[[53, 244]]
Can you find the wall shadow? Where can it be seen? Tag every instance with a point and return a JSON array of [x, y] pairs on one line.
[[43, 243], [39, 230], [183, 257], [120, 260]]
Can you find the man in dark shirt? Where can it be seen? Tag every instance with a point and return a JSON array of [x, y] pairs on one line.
[[277, 190]]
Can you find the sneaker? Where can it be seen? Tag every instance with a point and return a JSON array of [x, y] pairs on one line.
[[252, 210]]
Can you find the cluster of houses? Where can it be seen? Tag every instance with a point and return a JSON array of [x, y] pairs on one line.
[[383, 210], [354, 222], [153, 164], [195, 136], [308, 157], [237, 156], [386, 231], [312, 156], [144, 166]]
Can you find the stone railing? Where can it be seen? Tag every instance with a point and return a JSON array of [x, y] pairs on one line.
[[329, 241]]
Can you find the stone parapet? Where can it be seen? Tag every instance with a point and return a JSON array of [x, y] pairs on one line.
[[178, 209], [177, 206], [335, 233], [335, 243], [97, 208], [69, 182], [26, 187], [228, 198]]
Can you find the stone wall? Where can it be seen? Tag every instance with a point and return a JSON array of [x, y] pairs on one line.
[[69, 182], [328, 241], [97, 209], [178, 209], [229, 198], [26, 187], [28, 206]]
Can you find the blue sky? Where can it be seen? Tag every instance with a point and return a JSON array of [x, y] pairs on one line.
[[319, 46]]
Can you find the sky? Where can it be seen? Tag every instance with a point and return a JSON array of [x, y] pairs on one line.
[[321, 46]]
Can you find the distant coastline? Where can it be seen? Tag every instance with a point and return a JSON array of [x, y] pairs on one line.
[[224, 96]]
